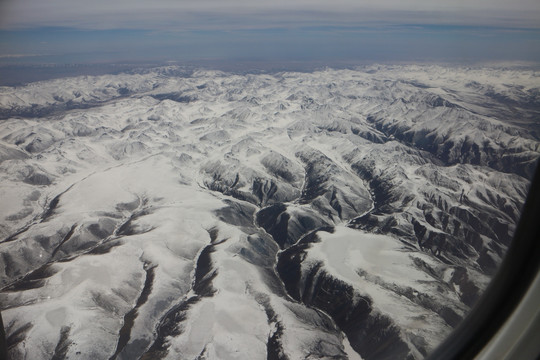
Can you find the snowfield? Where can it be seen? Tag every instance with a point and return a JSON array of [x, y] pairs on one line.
[[337, 214]]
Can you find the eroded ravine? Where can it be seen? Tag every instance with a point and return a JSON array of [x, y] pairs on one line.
[[284, 166]]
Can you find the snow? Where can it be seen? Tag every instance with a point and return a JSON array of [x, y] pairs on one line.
[[349, 254], [348, 250], [135, 173]]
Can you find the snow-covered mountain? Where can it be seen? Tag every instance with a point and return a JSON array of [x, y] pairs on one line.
[[207, 215]]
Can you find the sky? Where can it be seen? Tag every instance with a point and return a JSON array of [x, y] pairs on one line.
[[100, 31]]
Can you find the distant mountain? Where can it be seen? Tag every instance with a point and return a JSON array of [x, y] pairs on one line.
[[209, 215]]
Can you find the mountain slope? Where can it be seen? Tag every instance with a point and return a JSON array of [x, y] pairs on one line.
[[334, 214]]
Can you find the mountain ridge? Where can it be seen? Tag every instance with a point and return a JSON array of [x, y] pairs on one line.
[[218, 215]]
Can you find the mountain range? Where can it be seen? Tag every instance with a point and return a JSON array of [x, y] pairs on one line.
[[168, 213]]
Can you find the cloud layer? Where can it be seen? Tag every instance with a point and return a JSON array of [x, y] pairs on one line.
[[244, 14], [77, 31]]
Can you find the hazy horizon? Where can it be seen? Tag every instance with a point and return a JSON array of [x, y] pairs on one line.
[[65, 32]]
